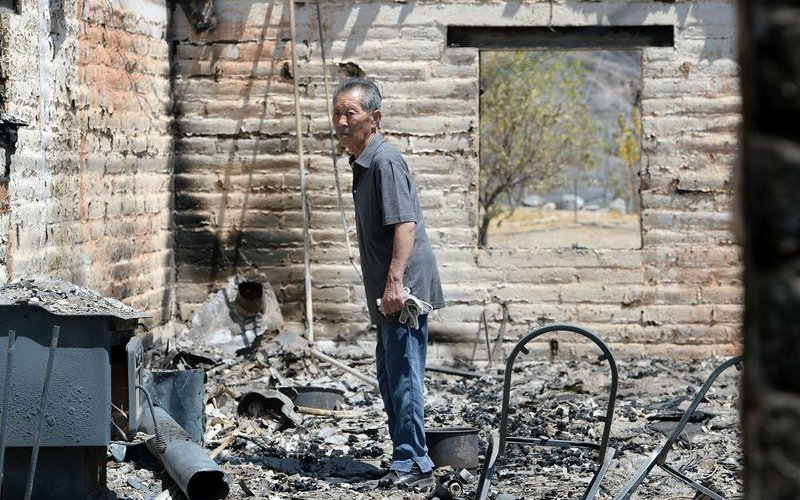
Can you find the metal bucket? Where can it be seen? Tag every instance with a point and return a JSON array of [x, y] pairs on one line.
[[453, 446], [249, 298], [321, 398]]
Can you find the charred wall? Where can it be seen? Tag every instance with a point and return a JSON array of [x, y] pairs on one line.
[[126, 148], [237, 179], [89, 187]]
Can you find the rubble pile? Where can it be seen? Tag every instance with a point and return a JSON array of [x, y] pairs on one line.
[[339, 453], [63, 298]]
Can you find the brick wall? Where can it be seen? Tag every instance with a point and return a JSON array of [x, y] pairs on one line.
[[126, 151], [90, 188], [237, 179], [90, 185]]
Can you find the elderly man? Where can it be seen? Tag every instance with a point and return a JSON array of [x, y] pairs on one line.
[[397, 262]]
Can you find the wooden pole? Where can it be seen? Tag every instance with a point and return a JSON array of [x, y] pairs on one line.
[[366, 378], [309, 317]]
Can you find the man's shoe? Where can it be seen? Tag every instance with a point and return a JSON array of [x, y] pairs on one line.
[[415, 479]]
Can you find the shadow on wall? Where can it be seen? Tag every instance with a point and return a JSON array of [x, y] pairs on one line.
[[224, 249], [708, 18]]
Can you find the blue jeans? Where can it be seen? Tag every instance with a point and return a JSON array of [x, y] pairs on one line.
[[400, 360]]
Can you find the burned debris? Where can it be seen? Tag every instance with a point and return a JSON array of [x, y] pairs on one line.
[[72, 357], [282, 419], [57, 395]]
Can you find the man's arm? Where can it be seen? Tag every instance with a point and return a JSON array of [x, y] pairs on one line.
[[403, 242]]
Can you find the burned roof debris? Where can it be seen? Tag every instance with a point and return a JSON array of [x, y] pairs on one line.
[[63, 298], [340, 453]]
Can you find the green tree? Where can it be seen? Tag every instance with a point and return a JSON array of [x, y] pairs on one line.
[[628, 149], [535, 128]]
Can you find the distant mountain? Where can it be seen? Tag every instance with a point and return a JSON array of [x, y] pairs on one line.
[[614, 78], [613, 87]]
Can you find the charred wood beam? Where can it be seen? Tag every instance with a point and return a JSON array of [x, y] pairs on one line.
[[8, 130], [770, 181], [200, 13]]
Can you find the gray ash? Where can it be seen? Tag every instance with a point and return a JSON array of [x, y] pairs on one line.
[[63, 298]]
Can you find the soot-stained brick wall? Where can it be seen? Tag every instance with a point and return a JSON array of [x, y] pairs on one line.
[[118, 125], [237, 178], [89, 188]]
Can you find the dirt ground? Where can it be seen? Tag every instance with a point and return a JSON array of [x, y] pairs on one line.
[[529, 227], [339, 457]]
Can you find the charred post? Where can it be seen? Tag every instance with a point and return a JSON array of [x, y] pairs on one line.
[[770, 174]]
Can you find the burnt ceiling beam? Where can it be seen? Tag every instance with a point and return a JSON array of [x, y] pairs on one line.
[[200, 13], [561, 37]]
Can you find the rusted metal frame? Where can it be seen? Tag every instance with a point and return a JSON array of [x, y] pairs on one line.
[[484, 326], [491, 350], [554, 443], [487, 470], [594, 485], [737, 361], [691, 482], [40, 417], [461, 373], [639, 476], [659, 456], [12, 335], [498, 343], [605, 453]]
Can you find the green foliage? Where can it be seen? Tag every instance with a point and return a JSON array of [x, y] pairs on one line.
[[536, 129], [628, 149]]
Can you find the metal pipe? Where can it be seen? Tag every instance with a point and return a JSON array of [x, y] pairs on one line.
[[12, 335], [38, 437], [249, 300], [303, 193], [195, 473], [324, 357], [333, 146]]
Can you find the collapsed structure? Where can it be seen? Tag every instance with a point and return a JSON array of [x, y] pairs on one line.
[[156, 155]]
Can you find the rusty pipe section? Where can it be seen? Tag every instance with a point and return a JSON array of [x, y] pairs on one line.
[[197, 475], [249, 298]]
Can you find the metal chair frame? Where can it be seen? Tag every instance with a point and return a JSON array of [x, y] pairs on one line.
[[605, 453], [659, 456], [487, 471]]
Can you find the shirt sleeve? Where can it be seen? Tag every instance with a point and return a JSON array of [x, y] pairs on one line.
[[397, 193]]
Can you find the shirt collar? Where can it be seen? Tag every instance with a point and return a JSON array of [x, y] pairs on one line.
[[365, 159]]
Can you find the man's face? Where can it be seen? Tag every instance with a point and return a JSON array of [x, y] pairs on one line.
[[353, 124]]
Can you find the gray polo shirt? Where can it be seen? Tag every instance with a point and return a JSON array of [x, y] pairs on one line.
[[385, 194]]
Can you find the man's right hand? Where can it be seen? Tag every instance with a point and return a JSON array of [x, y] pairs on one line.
[[393, 297]]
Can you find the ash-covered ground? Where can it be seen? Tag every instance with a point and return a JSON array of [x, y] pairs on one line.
[[339, 456]]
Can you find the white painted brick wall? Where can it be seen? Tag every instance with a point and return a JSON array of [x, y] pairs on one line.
[[685, 278]]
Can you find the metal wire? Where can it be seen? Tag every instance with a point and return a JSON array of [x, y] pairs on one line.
[[303, 192], [333, 147], [161, 445]]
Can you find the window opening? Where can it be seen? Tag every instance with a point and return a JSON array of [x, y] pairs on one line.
[[560, 148]]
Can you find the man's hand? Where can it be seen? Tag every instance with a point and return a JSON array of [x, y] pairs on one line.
[[393, 298], [393, 295]]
